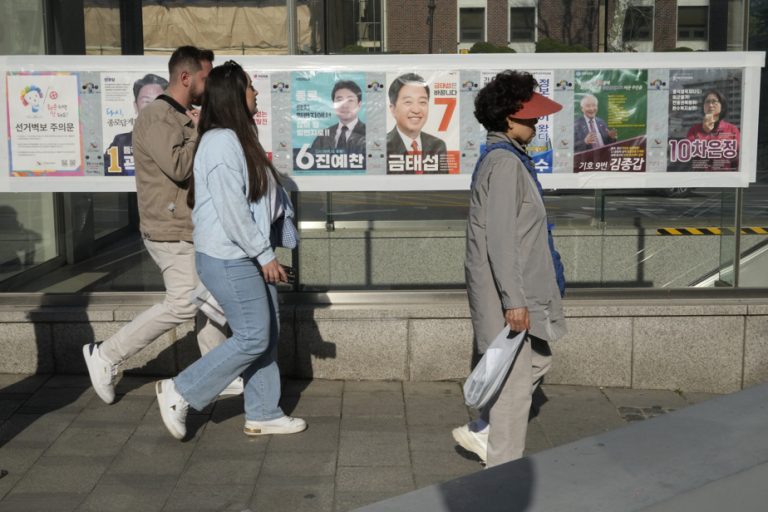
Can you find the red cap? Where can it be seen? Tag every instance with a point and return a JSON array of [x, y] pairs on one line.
[[536, 107]]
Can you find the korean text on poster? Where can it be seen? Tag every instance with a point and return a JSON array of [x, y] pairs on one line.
[[328, 111], [44, 124]]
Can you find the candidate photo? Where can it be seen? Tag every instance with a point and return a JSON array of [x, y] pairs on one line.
[[145, 90], [590, 131], [348, 134], [409, 106]]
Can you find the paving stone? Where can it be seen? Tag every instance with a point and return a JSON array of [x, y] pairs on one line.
[[376, 403], [367, 424], [322, 434], [68, 381], [153, 455], [443, 389], [53, 399], [374, 449], [351, 500], [536, 440], [44, 428], [8, 407], [136, 385], [396, 480], [128, 409], [308, 407], [18, 457], [440, 409], [696, 398], [21, 384], [206, 469], [436, 438], [645, 398], [449, 464], [288, 464], [296, 494], [372, 386], [90, 442], [213, 498], [587, 410], [129, 493], [316, 387], [64, 474], [38, 502]]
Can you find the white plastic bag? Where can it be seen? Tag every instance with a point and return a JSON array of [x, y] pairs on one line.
[[207, 303], [485, 380]]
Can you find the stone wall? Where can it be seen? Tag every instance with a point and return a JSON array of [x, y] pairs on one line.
[[692, 346]]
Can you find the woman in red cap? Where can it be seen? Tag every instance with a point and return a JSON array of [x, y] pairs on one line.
[[513, 274]]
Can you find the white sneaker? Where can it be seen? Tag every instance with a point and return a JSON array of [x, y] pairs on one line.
[[282, 425], [173, 408], [472, 439], [102, 372], [234, 388]]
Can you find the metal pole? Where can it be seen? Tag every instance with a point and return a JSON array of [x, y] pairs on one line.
[[737, 236], [431, 4], [291, 6]]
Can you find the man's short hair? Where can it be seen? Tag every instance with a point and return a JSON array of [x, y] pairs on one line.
[[399, 82], [588, 97], [347, 84], [189, 58], [148, 79]]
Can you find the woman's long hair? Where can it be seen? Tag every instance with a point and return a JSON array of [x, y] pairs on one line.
[[224, 106]]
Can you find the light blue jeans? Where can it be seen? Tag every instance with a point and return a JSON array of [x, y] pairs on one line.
[[250, 305]]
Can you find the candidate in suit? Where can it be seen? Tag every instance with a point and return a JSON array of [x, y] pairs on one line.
[[409, 105], [589, 131], [145, 90], [349, 133]]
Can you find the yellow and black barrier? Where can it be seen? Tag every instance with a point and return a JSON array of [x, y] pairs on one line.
[[710, 231]]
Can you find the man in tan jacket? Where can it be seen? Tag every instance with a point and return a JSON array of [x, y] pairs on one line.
[[164, 138]]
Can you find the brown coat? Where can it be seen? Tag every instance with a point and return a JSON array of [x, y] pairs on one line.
[[164, 148]]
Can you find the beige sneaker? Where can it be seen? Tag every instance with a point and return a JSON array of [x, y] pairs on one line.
[[475, 442], [282, 425]]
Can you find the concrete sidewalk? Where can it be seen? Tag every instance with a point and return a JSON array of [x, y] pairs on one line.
[[367, 440]]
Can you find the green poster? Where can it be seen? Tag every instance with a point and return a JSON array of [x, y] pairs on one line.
[[610, 120]]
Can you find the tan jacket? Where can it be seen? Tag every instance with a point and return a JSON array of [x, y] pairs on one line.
[[164, 149], [508, 263]]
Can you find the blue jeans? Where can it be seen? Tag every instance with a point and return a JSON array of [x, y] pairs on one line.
[[250, 305]]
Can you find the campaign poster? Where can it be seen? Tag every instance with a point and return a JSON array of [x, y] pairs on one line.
[[44, 135], [328, 112], [704, 120], [610, 119], [540, 147], [123, 96], [423, 123], [263, 117]]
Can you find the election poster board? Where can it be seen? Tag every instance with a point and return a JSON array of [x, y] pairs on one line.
[[43, 125], [389, 122], [609, 127], [704, 120], [123, 96], [423, 125], [329, 130]]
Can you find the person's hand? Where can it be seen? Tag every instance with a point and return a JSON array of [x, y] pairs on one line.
[[612, 133], [709, 123], [274, 273], [590, 139], [517, 318], [194, 115]]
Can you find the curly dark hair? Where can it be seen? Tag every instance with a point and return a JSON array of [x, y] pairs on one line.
[[502, 97]]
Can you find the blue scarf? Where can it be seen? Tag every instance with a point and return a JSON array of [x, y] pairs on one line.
[[528, 163]]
